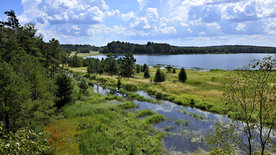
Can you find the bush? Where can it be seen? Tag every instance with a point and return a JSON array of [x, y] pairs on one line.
[[24, 141], [131, 87], [159, 95]]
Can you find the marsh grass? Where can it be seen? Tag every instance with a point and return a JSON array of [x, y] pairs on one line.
[[142, 113], [96, 126]]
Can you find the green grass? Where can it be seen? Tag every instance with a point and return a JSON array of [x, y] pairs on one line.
[[156, 118], [96, 125], [91, 53], [142, 113]]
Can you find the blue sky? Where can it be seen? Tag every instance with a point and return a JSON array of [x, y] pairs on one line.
[[178, 22]]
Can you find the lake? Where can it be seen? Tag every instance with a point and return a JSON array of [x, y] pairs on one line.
[[198, 61]]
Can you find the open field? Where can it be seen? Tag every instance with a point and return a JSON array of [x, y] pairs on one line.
[[92, 53]]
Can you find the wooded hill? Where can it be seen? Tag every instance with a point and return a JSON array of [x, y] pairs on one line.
[[117, 47], [80, 48]]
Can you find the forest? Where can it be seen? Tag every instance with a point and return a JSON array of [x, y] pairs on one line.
[[117, 47], [79, 48]]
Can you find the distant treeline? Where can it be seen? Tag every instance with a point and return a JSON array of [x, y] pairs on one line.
[[80, 48], [117, 47]]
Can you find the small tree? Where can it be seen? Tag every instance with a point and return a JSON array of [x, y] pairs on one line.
[[174, 71], [83, 87], [169, 68], [146, 73], [159, 76], [182, 76], [251, 99], [64, 90], [137, 68], [119, 83], [144, 67]]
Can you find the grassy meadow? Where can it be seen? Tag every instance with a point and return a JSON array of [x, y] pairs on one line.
[[203, 89], [91, 53], [98, 124]]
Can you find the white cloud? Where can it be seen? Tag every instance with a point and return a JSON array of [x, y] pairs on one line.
[[152, 13], [241, 27], [168, 30], [140, 23], [126, 17], [168, 20]]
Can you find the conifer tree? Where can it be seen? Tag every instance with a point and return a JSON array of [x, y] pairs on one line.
[[174, 71], [182, 76], [146, 73], [159, 76]]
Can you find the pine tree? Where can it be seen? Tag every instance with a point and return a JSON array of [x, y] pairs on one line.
[[83, 87], [159, 76], [144, 67], [174, 71], [64, 90], [146, 73], [137, 68], [127, 64], [182, 76]]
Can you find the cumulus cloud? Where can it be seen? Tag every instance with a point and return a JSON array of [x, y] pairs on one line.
[[151, 19]]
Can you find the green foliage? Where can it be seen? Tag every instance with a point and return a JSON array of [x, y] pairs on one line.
[[111, 65], [24, 141], [144, 67], [83, 87], [146, 73], [182, 76], [119, 83], [127, 105], [75, 61], [127, 65], [142, 113], [117, 47], [251, 97], [223, 140], [159, 76], [107, 128], [174, 71], [169, 68], [153, 119], [138, 68], [131, 87], [28, 65], [64, 90]]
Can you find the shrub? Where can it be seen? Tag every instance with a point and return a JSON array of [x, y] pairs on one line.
[[131, 87], [24, 141]]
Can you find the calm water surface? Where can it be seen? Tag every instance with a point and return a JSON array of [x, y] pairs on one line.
[[203, 61]]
